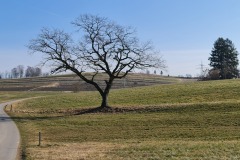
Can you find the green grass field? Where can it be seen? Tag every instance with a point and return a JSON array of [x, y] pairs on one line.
[[199, 120], [7, 96]]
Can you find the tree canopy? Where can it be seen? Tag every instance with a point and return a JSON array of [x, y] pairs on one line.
[[104, 47], [224, 59]]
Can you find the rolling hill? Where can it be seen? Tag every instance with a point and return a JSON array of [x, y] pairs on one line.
[[71, 82], [178, 121]]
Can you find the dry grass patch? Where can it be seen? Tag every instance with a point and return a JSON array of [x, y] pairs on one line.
[[134, 150], [73, 151]]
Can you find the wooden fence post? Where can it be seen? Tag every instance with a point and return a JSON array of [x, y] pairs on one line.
[[39, 138]]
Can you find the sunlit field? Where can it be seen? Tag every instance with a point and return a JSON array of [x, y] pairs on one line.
[[199, 120], [8, 96]]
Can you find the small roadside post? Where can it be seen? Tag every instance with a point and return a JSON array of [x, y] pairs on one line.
[[39, 138]]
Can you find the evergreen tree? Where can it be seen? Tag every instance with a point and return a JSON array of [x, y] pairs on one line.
[[224, 58]]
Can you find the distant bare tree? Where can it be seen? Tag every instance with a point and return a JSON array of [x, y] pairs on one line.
[[20, 69], [33, 72], [14, 73], [17, 72], [6, 74], [37, 71], [28, 72], [105, 47]]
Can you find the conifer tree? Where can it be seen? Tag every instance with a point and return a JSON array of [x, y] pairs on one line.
[[224, 57]]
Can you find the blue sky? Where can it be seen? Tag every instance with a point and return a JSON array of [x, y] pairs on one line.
[[182, 30]]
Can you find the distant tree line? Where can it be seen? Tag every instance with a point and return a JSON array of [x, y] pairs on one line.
[[33, 72], [21, 72], [17, 72]]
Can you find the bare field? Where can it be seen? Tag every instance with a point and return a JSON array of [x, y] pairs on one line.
[[73, 83]]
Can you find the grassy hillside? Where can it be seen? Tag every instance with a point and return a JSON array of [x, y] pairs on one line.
[[198, 120], [71, 82], [7, 96]]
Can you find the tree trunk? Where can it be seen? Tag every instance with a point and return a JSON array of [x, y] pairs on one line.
[[106, 92], [104, 100]]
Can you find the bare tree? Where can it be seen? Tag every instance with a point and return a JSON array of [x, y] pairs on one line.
[[37, 71], [17, 72], [7, 74], [33, 72], [14, 73], [105, 47], [20, 69], [29, 71]]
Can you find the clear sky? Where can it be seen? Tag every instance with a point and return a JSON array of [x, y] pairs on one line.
[[182, 30]]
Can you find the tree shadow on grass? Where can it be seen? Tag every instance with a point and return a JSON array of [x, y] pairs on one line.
[[18, 118], [116, 110], [98, 110], [64, 113]]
